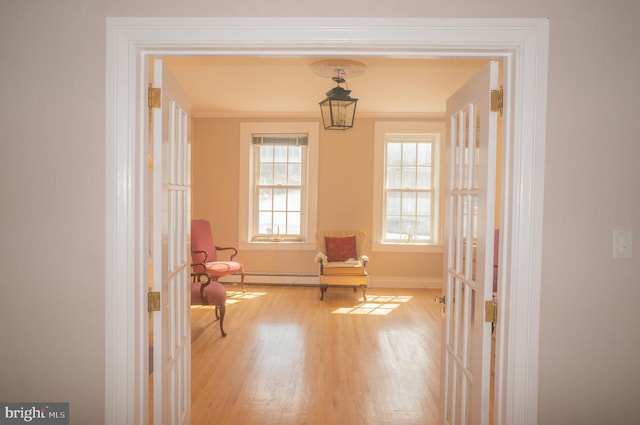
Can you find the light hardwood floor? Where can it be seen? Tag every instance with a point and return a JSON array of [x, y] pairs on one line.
[[290, 358]]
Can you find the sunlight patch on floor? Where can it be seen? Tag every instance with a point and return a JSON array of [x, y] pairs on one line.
[[234, 297], [376, 305]]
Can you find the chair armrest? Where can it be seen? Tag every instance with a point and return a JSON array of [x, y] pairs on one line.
[[196, 273], [197, 251], [321, 259], [226, 248]]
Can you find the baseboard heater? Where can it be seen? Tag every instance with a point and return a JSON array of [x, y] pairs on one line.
[[310, 279], [274, 279]]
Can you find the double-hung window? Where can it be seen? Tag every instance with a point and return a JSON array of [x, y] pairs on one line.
[[278, 186], [407, 179], [278, 181]]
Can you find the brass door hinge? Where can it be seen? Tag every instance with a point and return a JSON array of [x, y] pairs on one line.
[[491, 311], [153, 97], [497, 100], [440, 300], [153, 301]]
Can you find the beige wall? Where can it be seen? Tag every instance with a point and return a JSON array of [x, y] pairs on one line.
[[52, 79], [345, 198]]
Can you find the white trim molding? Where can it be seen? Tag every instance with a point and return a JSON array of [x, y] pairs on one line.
[[522, 44], [402, 282]]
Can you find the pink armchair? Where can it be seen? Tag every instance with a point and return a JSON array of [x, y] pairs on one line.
[[205, 288]]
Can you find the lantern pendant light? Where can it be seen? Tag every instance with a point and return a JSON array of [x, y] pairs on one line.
[[338, 108]]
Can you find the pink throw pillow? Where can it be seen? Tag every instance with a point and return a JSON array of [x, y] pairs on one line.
[[340, 248]]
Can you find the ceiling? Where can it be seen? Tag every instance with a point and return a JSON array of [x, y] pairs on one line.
[[272, 86]]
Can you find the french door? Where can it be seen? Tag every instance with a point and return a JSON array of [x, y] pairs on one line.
[[169, 169], [469, 214]]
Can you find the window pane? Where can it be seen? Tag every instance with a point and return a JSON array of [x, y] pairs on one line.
[[266, 153], [293, 223], [409, 203], [424, 154], [409, 178], [394, 153], [280, 199], [266, 173], [280, 153], [280, 223], [279, 173], [408, 227], [424, 203], [294, 200], [409, 154], [295, 154], [393, 227], [393, 203], [424, 178], [295, 174], [265, 225], [394, 177], [422, 231], [265, 199]]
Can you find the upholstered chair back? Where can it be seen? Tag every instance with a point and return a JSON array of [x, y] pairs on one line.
[[202, 240]]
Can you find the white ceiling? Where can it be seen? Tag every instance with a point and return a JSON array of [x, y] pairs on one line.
[[259, 86]]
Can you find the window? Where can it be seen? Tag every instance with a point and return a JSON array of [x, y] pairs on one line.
[[278, 183], [406, 185]]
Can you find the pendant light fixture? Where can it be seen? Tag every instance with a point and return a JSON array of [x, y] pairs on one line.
[[338, 108]]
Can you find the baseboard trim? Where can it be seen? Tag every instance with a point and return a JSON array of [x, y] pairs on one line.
[[312, 280], [405, 282]]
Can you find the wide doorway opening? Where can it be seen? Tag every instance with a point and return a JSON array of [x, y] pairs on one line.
[[224, 93], [126, 260]]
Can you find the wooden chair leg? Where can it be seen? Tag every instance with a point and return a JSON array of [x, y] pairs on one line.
[[203, 297], [323, 289], [364, 293], [242, 282], [221, 309]]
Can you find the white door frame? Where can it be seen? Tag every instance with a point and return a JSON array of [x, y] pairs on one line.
[[522, 44]]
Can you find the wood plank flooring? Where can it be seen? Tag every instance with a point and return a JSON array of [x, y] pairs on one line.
[[290, 358]]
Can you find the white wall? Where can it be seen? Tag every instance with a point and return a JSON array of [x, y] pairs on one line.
[[52, 59]]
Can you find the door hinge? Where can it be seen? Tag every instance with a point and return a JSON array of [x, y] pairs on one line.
[[440, 300], [497, 100], [153, 97], [153, 302], [491, 311]]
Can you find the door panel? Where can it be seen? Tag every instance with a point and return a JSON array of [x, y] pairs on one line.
[[469, 216], [171, 264]]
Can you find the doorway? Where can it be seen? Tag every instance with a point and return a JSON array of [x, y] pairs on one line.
[[521, 43]]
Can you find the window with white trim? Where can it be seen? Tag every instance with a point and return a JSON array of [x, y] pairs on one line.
[[278, 182], [406, 185], [279, 162]]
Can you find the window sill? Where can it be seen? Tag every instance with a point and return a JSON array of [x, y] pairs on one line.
[[277, 246], [407, 247]]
